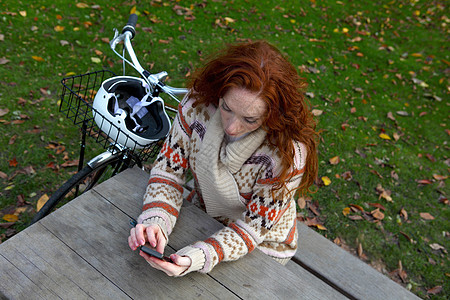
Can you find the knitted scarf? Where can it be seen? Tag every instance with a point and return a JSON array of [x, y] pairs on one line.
[[216, 164]]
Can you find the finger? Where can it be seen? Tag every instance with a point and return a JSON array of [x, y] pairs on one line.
[[140, 234], [132, 239], [161, 241], [131, 243], [182, 261], [151, 235]]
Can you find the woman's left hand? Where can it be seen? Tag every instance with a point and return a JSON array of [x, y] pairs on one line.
[[180, 263]]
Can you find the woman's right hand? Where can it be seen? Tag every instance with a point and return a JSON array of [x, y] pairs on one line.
[[152, 234]]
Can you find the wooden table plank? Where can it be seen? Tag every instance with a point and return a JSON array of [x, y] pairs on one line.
[[39, 264], [269, 279], [342, 269], [98, 232]]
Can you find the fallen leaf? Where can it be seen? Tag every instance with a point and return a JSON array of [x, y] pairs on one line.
[[377, 214], [326, 180], [3, 111], [58, 28], [377, 205], [13, 162], [440, 177], [71, 163], [4, 61], [38, 58], [435, 290], [334, 160], [426, 216], [404, 214], [10, 218], [436, 246], [424, 181], [384, 136], [42, 200], [317, 112], [301, 202], [82, 5], [356, 207], [96, 60], [3, 175], [346, 211], [23, 13], [390, 116]]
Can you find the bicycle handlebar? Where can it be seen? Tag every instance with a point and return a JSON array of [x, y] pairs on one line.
[[131, 25]]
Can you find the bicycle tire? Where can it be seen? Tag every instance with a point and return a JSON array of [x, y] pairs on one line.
[[95, 175]]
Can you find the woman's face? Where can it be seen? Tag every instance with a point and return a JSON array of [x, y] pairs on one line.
[[242, 111]]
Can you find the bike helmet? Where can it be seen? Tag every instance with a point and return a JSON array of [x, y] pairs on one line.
[[138, 118]]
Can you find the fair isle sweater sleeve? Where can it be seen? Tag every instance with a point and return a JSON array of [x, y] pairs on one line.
[[163, 196], [265, 211]]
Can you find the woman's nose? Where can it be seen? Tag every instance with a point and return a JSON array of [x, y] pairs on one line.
[[233, 126]]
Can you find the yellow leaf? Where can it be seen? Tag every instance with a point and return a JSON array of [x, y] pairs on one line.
[[23, 13], [10, 218], [321, 227], [58, 28], [82, 5], [70, 73], [346, 211], [96, 60], [384, 136], [9, 187], [344, 30], [326, 180], [38, 58], [133, 10], [44, 198]]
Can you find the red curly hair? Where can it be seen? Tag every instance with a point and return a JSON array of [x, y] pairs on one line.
[[261, 68]]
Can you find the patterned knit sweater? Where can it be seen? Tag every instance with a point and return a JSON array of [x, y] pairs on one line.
[[233, 182]]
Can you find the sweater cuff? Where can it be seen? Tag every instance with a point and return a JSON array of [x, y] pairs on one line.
[[197, 257], [157, 221]]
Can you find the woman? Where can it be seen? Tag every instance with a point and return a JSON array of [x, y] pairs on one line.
[[248, 137]]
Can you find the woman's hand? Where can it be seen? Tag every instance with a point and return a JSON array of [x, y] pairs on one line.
[[180, 264], [142, 234]]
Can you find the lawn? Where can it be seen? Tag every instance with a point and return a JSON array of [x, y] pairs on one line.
[[378, 74]]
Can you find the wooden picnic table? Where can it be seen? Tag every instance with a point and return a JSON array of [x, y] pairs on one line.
[[81, 251]]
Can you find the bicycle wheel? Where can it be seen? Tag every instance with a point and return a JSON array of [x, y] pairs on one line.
[[81, 182]]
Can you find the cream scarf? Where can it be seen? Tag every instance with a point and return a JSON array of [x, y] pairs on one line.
[[216, 163]]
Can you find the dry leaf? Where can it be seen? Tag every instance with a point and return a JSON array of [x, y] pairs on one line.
[[440, 177], [426, 216], [384, 136], [317, 112], [377, 214], [3, 111], [10, 218], [82, 5], [44, 198], [435, 290], [334, 160], [58, 28], [436, 246], [301, 202], [326, 180], [38, 58], [346, 211]]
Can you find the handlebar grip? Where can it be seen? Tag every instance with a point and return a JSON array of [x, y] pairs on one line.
[[131, 25]]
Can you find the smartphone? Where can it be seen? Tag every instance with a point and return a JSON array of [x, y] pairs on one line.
[[155, 253]]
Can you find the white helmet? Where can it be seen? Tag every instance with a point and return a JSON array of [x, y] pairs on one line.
[[133, 117]]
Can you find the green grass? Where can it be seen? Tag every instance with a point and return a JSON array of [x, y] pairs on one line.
[[362, 59]]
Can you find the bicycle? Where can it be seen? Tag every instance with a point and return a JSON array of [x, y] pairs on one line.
[[130, 130]]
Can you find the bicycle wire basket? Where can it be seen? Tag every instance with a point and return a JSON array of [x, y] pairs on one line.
[[77, 96]]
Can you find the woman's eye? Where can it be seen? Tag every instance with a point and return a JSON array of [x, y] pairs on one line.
[[225, 107], [250, 121]]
